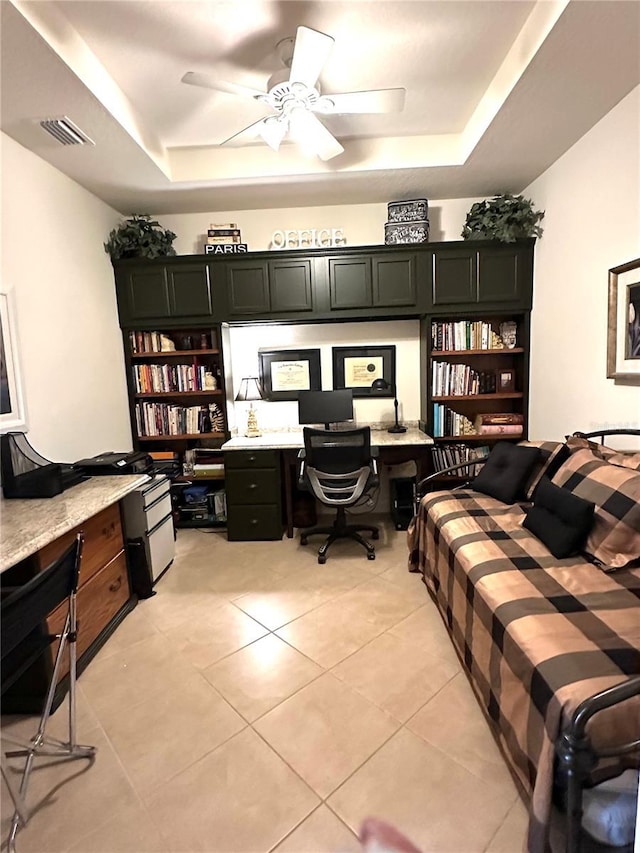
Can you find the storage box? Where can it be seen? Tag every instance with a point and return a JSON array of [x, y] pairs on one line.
[[412, 210], [406, 232]]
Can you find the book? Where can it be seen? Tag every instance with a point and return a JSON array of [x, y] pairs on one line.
[[223, 232], [214, 226], [499, 429], [499, 418]]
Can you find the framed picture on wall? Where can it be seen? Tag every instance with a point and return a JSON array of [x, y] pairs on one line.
[[359, 367], [623, 327], [12, 412], [285, 372]]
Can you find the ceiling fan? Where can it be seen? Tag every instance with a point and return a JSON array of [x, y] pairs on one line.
[[293, 97]]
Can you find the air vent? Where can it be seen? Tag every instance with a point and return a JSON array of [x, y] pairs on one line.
[[65, 131]]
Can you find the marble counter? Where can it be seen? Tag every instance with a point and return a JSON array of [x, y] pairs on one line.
[[284, 440], [28, 525]]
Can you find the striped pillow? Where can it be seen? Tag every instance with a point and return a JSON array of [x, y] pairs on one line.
[[614, 540], [552, 454], [629, 459]]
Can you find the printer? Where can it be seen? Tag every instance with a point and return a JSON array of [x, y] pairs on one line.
[[114, 462]]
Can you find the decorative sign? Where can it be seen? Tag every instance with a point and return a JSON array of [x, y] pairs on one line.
[[308, 238], [226, 249]]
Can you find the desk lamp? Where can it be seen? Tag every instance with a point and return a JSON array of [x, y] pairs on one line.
[[250, 390], [382, 385]]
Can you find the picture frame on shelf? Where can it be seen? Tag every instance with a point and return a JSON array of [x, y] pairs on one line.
[[12, 405], [283, 373], [358, 367], [623, 324], [505, 380]]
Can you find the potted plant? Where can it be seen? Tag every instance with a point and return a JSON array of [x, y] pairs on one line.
[[505, 217], [139, 236]]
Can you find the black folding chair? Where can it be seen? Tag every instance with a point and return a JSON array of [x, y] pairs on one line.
[[24, 636]]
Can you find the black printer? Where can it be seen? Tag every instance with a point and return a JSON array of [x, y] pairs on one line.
[[113, 462]]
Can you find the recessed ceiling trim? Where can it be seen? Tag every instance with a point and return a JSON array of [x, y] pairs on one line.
[[65, 131]]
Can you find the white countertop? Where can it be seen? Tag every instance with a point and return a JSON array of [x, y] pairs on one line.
[[284, 440], [28, 525]]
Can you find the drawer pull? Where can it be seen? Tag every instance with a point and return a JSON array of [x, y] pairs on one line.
[[254, 521], [252, 459], [253, 485], [115, 586]]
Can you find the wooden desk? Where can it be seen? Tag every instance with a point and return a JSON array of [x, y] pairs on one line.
[[394, 449]]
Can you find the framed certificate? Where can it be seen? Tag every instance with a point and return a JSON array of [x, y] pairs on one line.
[[285, 372], [359, 367]]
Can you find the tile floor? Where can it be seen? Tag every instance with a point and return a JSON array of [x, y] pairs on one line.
[[261, 702]]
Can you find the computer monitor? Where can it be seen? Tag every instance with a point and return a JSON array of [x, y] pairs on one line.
[[327, 407]]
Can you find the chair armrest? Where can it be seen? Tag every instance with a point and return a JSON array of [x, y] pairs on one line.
[[302, 455]]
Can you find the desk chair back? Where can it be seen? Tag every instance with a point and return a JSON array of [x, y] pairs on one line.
[[338, 465]]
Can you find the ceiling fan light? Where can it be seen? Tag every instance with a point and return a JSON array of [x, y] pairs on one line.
[[273, 131]]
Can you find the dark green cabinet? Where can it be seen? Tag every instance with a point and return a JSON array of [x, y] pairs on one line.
[[269, 287], [372, 281], [394, 281], [164, 291], [349, 282], [253, 487], [455, 277]]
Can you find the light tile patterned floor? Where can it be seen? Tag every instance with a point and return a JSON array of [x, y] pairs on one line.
[[261, 702]]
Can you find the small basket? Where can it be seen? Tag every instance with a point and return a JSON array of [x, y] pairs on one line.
[[412, 210], [396, 233]]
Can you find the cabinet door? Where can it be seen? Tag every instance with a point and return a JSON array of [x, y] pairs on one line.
[[498, 275], [189, 290], [393, 280], [290, 285], [248, 287], [455, 277], [147, 294], [350, 283]]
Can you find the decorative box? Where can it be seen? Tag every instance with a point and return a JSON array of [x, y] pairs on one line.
[[406, 232], [412, 210]]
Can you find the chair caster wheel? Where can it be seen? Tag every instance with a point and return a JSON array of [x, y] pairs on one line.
[[371, 556], [303, 540], [322, 560], [375, 535]]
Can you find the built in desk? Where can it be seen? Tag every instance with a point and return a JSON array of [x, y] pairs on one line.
[[34, 533], [255, 492]]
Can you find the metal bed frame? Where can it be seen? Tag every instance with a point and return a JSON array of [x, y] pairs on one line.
[[576, 755]]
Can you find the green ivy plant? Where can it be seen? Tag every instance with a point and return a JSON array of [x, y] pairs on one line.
[[505, 217], [139, 236]]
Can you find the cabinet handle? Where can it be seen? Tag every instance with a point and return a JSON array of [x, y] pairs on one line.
[[253, 521], [253, 485], [252, 459], [115, 586]]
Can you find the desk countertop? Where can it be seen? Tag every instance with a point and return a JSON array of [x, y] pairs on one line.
[[28, 525], [284, 440]]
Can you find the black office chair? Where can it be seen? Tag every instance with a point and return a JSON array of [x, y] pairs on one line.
[[339, 468], [24, 638]]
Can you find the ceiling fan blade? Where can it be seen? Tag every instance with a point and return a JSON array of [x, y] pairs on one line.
[[194, 78], [374, 101], [308, 131], [310, 52]]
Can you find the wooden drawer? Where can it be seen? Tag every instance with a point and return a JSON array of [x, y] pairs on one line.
[[102, 541], [255, 486], [251, 459], [254, 522], [98, 602]]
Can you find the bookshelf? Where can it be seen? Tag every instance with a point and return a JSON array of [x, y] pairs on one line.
[[470, 380], [175, 380]]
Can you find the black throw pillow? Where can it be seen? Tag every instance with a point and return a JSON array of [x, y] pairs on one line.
[[560, 519], [506, 472]]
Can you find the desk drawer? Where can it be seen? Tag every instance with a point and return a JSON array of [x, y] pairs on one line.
[[98, 602], [102, 541], [254, 522], [251, 459], [257, 486]]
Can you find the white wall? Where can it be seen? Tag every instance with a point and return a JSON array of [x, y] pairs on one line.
[[592, 200], [363, 224], [70, 347]]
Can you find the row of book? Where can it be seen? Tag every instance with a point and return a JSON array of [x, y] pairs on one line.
[[145, 342], [454, 454], [447, 422], [167, 419], [499, 423], [460, 379], [148, 378], [462, 335]]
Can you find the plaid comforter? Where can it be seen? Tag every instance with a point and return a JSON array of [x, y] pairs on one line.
[[536, 634]]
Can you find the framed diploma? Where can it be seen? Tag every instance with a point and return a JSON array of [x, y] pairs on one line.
[[285, 372], [358, 368]]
